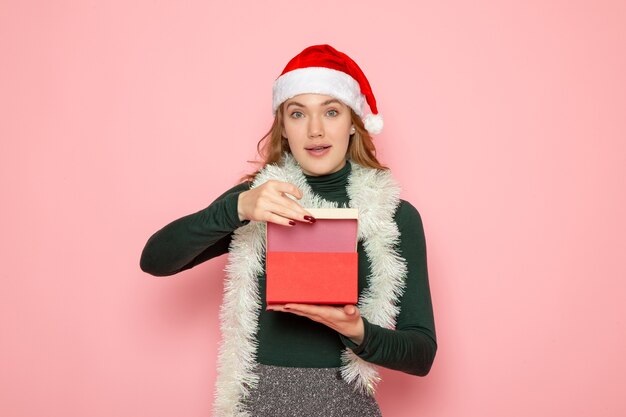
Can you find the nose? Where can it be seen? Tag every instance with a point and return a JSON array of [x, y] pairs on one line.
[[316, 128]]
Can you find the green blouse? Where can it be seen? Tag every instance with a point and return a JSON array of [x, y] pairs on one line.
[[289, 340]]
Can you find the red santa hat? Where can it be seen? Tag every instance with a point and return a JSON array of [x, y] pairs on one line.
[[321, 69]]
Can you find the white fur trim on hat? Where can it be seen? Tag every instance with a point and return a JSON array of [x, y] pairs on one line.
[[318, 80]]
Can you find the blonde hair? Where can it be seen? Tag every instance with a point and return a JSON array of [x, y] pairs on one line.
[[273, 145]]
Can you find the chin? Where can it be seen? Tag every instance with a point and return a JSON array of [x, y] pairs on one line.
[[317, 172], [321, 169], [323, 166]]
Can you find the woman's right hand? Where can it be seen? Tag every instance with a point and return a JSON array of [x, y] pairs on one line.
[[269, 203]]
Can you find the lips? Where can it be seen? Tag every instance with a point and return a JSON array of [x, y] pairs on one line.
[[317, 147], [318, 150]]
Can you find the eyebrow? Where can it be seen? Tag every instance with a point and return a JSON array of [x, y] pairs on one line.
[[327, 102]]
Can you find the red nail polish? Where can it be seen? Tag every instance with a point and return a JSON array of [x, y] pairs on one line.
[[310, 219], [291, 222]]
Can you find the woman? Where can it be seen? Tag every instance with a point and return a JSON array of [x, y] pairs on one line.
[[299, 359]]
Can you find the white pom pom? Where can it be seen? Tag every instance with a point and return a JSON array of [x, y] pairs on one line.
[[373, 123]]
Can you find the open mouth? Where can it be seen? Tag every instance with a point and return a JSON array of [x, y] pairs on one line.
[[317, 148], [318, 151]]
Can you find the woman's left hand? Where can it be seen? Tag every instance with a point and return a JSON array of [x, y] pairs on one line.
[[345, 320]]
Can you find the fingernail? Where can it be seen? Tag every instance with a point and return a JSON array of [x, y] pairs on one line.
[[311, 219], [291, 222]]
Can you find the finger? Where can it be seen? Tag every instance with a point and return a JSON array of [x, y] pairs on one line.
[[283, 221], [287, 188], [311, 309], [283, 189], [287, 208], [273, 211], [314, 317], [303, 310], [326, 313], [349, 309]]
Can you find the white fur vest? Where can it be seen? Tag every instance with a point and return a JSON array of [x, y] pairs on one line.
[[376, 195]]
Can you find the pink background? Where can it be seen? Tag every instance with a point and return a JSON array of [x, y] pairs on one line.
[[505, 123]]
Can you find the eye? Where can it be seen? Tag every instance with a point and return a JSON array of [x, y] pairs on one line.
[[296, 115], [332, 113]]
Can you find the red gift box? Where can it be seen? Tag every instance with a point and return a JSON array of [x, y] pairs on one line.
[[314, 263]]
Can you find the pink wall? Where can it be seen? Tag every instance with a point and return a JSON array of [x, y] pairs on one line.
[[505, 122]]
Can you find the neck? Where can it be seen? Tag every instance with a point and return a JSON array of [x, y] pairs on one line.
[[331, 187]]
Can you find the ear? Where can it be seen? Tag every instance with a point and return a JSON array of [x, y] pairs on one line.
[[283, 133]]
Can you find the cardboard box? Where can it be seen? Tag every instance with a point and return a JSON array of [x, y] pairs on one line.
[[314, 263]]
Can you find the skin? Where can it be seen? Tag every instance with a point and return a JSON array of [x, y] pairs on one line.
[[315, 119], [310, 120]]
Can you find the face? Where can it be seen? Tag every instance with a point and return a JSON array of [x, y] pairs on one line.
[[318, 129]]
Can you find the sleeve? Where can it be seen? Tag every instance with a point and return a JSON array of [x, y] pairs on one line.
[[412, 345], [195, 238]]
